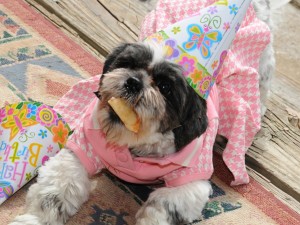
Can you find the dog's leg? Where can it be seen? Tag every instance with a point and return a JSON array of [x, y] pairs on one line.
[[170, 206], [267, 58], [266, 71], [62, 187]]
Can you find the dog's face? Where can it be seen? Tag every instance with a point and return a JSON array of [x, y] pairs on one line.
[[158, 92]]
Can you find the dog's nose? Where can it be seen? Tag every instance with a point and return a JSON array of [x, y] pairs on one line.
[[133, 85]]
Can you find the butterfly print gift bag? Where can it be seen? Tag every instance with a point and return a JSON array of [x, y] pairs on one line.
[[30, 133]]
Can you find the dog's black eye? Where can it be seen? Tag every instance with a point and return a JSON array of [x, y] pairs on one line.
[[164, 87]]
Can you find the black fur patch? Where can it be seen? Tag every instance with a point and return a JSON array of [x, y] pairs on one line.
[[186, 111], [51, 201], [174, 217], [193, 120]]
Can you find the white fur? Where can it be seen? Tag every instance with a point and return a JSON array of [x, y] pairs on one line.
[[267, 59], [187, 200], [62, 176], [158, 52]]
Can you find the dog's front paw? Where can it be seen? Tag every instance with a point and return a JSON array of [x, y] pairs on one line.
[[149, 215], [26, 219]]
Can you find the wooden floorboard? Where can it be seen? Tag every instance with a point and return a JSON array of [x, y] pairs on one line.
[[129, 12], [275, 150], [100, 25]]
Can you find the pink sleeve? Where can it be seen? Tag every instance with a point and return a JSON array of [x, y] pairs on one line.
[[78, 143], [75, 101]]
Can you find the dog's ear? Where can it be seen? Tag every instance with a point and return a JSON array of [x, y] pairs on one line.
[[110, 59], [194, 120]]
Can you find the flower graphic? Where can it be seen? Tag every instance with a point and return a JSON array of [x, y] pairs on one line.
[[233, 9], [2, 114], [212, 10], [49, 148], [43, 133], [46, 116], [31, 110], [214, 65], [196, 76], [11, 111], [1, 132], [188, 63], [28, 176], [45, 159], [60, 133], [60, 119], [204, 84], [170, 49], [226, 26], [176, 30]]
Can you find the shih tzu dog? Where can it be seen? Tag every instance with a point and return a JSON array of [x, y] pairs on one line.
[[171, 115]]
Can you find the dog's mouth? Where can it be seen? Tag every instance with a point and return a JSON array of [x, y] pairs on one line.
[[123, 112]]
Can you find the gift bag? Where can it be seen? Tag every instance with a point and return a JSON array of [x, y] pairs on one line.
[[30, 133]]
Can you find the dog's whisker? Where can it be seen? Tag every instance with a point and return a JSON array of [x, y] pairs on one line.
[[137, 99]]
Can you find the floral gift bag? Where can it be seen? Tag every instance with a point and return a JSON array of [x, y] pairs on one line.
[[30, 133]]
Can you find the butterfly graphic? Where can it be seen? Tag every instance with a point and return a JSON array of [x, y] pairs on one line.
[[17, 123], [201, 40]]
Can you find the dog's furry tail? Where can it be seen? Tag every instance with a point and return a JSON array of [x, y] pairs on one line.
[[277, 12], [277, 4]]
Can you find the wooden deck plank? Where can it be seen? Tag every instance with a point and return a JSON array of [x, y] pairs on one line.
[[275, 152], [269, 185], [129, 12], [100, 25], [284, 197], [91, 21]]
